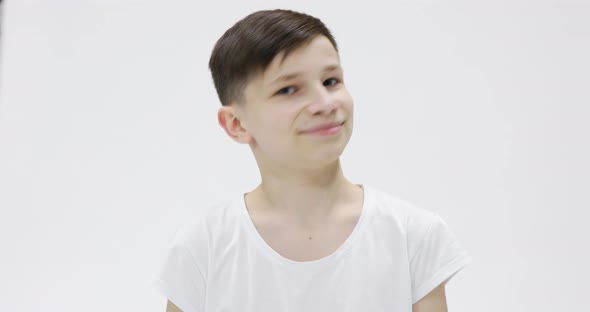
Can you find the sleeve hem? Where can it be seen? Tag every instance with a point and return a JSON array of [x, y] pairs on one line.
[[442, 275], [161, 286]]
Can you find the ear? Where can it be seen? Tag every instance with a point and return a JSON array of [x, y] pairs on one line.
[[232, 124]]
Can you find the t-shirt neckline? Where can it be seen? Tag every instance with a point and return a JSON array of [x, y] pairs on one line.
[[338, 253]]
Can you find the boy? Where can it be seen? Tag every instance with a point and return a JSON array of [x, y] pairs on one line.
[[306, 239]]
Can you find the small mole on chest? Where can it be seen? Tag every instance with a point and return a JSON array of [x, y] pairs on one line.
[[310, 238]]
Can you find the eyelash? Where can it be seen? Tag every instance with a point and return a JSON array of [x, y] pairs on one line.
[[337, 81]]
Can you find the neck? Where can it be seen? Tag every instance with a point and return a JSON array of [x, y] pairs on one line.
[[306, 197]]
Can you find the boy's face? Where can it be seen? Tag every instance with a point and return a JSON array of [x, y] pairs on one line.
[[278, 113]]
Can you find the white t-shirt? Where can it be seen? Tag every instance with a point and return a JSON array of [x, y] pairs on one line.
[[396, 254]]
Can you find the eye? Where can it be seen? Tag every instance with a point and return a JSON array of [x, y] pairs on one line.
[[331, 82], [285, 91]]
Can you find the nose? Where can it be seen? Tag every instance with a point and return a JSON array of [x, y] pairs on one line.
[[323, 101]]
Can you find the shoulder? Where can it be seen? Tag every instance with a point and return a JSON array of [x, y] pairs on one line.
[[433, 252], [390, 207], [209, 219], [196, 238]]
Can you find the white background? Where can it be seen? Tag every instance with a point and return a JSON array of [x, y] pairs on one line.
[[478, 110]]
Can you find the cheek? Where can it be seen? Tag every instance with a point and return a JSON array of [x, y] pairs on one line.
[[346, 100], [273, 133]]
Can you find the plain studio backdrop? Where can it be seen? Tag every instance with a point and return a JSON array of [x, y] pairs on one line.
[[477, 110]]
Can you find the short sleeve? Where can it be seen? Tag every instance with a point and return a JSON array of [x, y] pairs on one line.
[[179, 278], [435, 257]]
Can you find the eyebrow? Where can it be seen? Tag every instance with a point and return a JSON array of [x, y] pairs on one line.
[[296, 74]]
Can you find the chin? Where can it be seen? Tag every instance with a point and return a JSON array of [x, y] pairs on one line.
[[324, 158]]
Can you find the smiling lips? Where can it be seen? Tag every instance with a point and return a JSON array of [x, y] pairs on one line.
[[325, 129]]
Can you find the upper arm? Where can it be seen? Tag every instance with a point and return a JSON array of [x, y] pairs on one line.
[[171, 307], [434, 301]]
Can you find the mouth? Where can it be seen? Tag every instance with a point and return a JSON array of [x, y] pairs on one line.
[[325, 129]]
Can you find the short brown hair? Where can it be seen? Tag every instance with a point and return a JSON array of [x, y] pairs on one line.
[[249, 46]]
